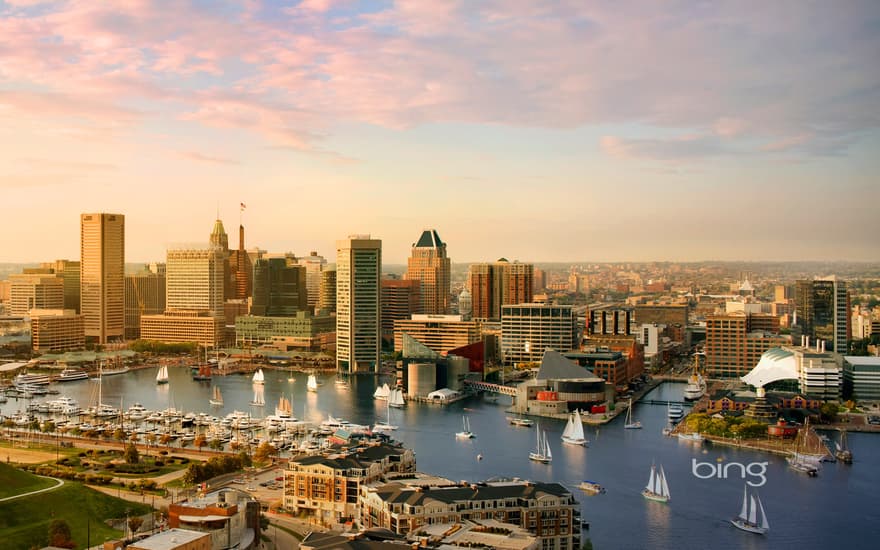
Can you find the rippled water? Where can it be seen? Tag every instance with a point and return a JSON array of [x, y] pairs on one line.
[[838, 508]]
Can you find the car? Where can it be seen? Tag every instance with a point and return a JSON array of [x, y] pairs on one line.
[[250, 488], [238, 480], [279, 478]]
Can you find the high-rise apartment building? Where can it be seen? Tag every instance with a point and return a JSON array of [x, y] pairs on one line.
[[527, 330], [194, 280], [327, 292], [69, 272], [279, 288], [102, 272], [144, 295], [315, 266], [400, 300], [735, 343], [498, 284], [30, 290], [358, 297], [429, 264], [822, 308]]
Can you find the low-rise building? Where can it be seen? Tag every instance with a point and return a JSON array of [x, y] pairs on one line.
[[229, 516], [57, 330], [559, 387], [326, 487], [861, 378], [548, 511], [441, 333], [174, 539], [302, 329], [201, 327]]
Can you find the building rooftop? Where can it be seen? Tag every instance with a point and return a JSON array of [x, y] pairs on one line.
[[399, 493], [862, 361], [169, 540], [429, 239], [554, 366]]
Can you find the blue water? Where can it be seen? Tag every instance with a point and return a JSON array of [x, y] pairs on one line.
[[839, 508]]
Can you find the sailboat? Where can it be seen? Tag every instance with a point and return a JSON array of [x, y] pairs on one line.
[[382, 392], [466, 432], [162, 375], [258, 400], [657, 489], [574, 430], [542, 451], [385, 426], [799, 462], [312, 384], [748, 517], [284, 408], [629, 423], [842, 452], [216, 397], [395, 399], [259, 378]]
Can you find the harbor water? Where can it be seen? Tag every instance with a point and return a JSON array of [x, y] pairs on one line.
[[836, 509]]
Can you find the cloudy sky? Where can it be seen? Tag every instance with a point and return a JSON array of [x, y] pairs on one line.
[[532, 130]]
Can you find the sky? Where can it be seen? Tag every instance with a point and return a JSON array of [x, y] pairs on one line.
[[538, 131]]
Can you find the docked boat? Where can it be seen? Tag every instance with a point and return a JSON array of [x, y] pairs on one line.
[[31, 379], [136, 412], [162, 375], [203, 373], [629, 423], [71, 374], [842, 452], [259, 377], [216, 397], [657, 488], [395, 398], [118, 368], [521, 421], [799, 461], [694, 436], [382, 392], [674, 412], [591, 487], [542, 452], [312, 384], [696, 385], [574, 430], [386, 426], [466, 432], [751, 517]]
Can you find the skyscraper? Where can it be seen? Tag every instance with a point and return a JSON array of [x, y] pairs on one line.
[[279, 288], [102, 272], [500, 283], [429, 265], [822, 308], [358, 293], [314, 265], [327, 292], [194, 279], [35, 289], [400, 300]]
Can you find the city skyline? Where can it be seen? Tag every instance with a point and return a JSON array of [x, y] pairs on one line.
[[681, 132]]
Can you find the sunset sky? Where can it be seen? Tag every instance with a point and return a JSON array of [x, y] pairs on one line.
[[538, 131]]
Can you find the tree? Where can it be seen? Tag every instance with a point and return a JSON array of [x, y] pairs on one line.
[[131, 454], [59, 534], [201, 441], [214, 444], [165, 439], [134, 523], [265, 452], [828, 412], [48, 427], [119, 434]]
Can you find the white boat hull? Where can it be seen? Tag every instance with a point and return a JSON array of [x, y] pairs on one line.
[[572, 441], [651, 495], [539, 458], [746, 526]]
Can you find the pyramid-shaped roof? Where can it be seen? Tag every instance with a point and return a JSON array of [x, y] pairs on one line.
[[429, 239], [554, 366], [413, 349]]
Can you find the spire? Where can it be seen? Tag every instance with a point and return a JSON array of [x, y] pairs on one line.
[[429, 239], [218, 236]]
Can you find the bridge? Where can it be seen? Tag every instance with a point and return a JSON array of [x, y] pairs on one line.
[[665, 402], [492, 388]]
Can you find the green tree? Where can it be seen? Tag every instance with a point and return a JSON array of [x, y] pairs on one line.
[[134, 523], [215, 444], [119, 434], [828, 412], [265, 452], [131, 454], [48, 427], [59, 534]]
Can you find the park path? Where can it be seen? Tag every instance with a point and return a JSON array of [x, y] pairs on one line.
[[59, 483]]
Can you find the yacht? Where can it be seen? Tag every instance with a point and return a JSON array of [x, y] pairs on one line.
[[751, 517], [136, 412], [591, 487], [466, 432], [696, 386], [674, 412], [395, 398], [259, 377], [31, 379], [382, 392], [162, 375], [574, 430], [542, 452], [71, 374], [521, 421], [629, 423], [657, 489]]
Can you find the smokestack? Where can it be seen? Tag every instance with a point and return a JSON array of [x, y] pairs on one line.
[[823, 346], [241, 237], [807, 344]]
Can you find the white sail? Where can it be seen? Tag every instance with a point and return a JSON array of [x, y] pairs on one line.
[[382, 392], [744, 513], [569, 426], [764, 523], [312, 384], [547, 450], [395, 399], [753, 512], [577, 426], [259, 378], [664, 488], [162, 375], [650, 485]]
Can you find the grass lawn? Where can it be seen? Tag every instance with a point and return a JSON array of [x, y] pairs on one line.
[[24, 522], [14, 481]]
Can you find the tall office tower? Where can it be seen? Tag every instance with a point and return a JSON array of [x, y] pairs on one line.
[[241, 268], [68, 271], [429, 265], [35, 289], [781, 293], [822, 308], [540, 282], [400, 300], [527, 330], [102, 272], [279, 288], [358, 292], [497, 284], [144, 295], [194, 280], [327, 293], [315, 265], [735, 342]]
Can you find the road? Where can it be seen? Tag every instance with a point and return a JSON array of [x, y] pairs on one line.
[[47, 489]]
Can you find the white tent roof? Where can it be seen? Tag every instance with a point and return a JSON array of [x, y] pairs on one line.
[[775, 364]]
